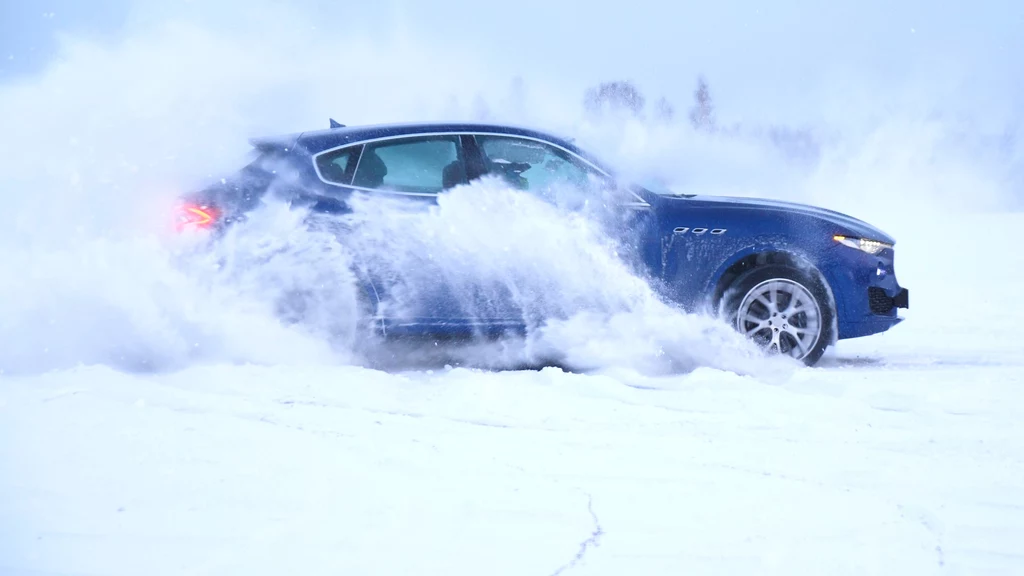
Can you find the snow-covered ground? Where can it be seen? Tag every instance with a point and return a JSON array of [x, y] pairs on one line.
[[901, 454]]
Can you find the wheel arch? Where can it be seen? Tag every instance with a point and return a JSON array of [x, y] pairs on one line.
[[767, 255]]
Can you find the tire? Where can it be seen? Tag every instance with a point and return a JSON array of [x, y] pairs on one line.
[[783, 309]]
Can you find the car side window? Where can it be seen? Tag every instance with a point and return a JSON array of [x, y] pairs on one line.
[[337, 166], [415, 165], [535, 166]]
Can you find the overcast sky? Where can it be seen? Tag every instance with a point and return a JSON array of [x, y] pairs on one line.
[[774, 60]]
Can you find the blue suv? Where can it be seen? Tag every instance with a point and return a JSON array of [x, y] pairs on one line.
[[793, 278]]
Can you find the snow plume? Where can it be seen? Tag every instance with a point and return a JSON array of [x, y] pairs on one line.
[[281, 287], [134, 304], [97, 149], [564, 267]]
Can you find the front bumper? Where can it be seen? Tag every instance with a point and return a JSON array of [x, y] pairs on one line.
[[867, 293]]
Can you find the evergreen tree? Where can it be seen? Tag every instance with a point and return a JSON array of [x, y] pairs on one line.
[[614, 96], [702, 115]]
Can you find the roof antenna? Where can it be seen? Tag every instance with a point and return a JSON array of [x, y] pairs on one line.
[[335, 124]]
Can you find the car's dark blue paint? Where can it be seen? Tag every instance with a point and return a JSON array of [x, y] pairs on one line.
[[692, 269]]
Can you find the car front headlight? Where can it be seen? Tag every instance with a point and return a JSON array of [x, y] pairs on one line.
[[870, 246]]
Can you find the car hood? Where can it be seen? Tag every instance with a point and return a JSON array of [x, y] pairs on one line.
[[844, 223]]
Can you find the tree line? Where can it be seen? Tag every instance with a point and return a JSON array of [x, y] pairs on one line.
[[623, 97]]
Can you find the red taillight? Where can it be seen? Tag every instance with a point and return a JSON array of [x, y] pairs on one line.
[[196, 216]]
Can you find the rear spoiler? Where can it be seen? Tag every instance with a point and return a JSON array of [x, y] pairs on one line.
[[283, 142]]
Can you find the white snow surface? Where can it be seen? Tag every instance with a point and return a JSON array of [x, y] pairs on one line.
[[901, 453]]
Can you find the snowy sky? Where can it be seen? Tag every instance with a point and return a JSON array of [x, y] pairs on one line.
[[787, 60]]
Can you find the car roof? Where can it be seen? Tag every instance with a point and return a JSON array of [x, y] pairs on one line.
[[337, 136], [315, 141]]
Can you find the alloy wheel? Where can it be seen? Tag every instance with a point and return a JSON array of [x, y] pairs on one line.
[[782, 316]]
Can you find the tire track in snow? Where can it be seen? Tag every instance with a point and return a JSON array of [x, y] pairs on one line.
[[593, 541]]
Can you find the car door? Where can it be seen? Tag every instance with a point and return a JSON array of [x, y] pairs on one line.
[[405, 280], [558, 175]]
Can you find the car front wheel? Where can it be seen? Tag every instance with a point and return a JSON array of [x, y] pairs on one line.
[[782, 309]]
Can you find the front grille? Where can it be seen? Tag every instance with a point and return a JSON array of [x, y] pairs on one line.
[[880, 302]]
